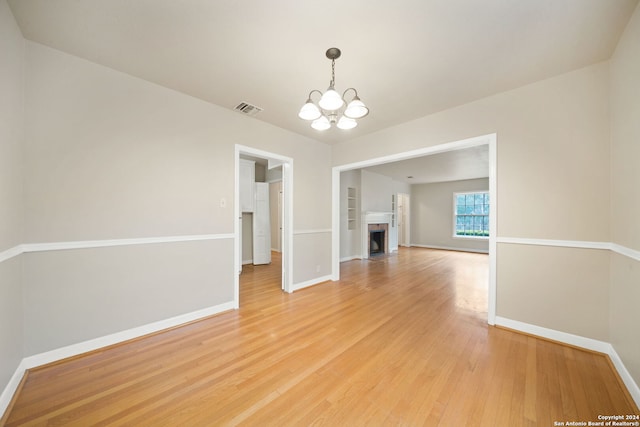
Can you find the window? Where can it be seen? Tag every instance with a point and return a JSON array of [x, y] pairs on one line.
[[471, 214]]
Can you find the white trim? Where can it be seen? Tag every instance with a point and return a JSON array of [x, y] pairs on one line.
[[455, 215], [420, 152], [311, 282], [627, 379], [628, 252], [287, 212], [335, 223], [577, 341], [12, 252], [485, 238], [581, 244], [104, 341], [559, 243], [448, 248], [350, 258], [87, 244], [493, 226], [118, 337], [552, 334], [312, 231], [11, 387]]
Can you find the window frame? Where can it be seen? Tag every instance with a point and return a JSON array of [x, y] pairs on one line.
[[455, 214]]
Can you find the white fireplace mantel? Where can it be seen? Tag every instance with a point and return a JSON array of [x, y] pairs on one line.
[[371, 217], [376, 217]]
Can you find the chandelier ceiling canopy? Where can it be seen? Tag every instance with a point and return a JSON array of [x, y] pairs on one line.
[[331, 107]]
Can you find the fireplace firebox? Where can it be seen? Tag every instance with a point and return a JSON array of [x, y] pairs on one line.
[[378, 239], [376, 242]]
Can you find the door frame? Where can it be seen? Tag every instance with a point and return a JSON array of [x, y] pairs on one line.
[[490, 140], [287, 213]]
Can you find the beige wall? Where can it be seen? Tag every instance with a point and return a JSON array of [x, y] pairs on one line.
[[578, 303], [552, 143], [11, 206], [552, 179], [110, 156], [432, 214], [624, 317], [625, 194], [77, 295], [11, 129]]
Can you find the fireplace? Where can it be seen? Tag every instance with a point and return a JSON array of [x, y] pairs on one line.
[[376, 242], [378, 239]]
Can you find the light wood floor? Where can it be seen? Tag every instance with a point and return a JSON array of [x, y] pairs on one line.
[[400, 340]]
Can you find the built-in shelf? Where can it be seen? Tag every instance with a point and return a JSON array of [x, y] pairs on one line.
[[351, 208], [393, 210]]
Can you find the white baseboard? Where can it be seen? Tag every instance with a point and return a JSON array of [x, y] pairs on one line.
[[97, 343], [449, 248], [247, 261], [11, 387], [306, 284], [633, 388], [552, 334], [350, 258], [577, 341]]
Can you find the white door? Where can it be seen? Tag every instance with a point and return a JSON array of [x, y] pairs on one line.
[[404, 220], [280, 217], [261, 225]]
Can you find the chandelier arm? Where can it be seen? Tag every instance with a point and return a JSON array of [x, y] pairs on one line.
[[314, 90], [347, 90]]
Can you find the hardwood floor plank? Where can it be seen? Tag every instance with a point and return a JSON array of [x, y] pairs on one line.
[[399, 340]]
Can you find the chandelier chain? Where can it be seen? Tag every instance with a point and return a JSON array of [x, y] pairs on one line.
[[333, 73]]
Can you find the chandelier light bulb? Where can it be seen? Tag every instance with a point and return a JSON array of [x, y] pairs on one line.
[[331, 100], [356, 109], [321, 124], [309, 111], [346, 123]]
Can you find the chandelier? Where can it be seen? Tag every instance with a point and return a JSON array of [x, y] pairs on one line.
[[331, 109]]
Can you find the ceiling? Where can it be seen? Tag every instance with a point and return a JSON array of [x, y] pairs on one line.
[[468, 163], [406, 58]]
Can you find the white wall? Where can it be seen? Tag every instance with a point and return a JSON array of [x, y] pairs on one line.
[[110, 156], [552, 180], [432, 215], [350, 241], [376, 192], [11, 203], [625, 195]]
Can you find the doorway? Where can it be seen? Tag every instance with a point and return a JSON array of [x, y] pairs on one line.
[[487, 140], [272, 161]]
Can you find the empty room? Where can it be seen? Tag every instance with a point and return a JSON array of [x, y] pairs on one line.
[[305, 213]]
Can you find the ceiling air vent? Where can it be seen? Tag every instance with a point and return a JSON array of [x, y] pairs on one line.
[[248, 109]]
